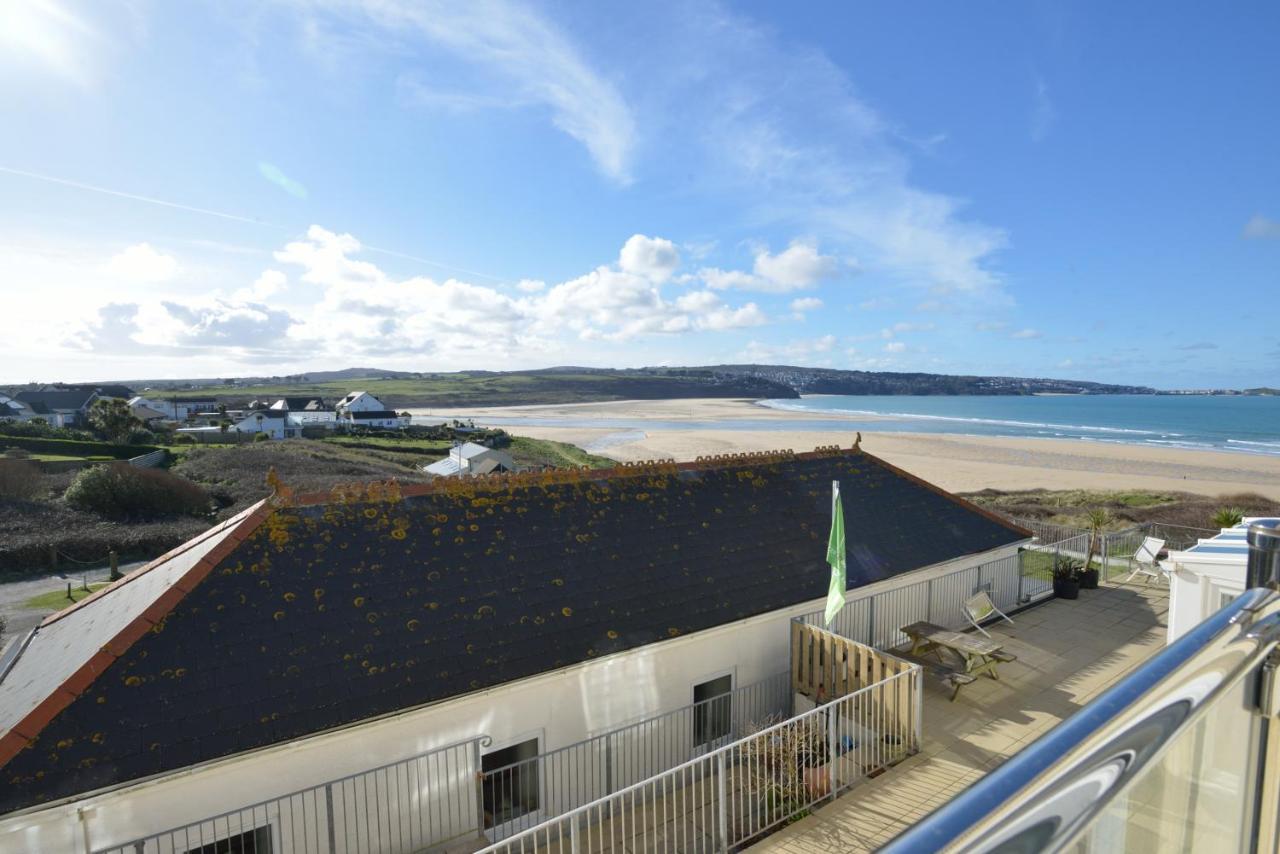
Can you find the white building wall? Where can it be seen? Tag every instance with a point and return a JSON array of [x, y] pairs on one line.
[[1197, 587], [559, 708]]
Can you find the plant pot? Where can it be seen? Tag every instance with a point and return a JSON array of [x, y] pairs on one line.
[[1089, 579], [1066, 588]]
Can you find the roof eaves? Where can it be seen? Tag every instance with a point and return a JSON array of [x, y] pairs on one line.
[[29, 727]]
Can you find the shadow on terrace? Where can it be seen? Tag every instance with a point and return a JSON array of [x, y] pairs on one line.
[[1067, 653]]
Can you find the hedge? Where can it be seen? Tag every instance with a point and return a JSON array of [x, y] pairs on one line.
[[74, 448]]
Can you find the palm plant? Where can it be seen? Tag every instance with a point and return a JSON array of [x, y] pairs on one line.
[[1099, 519], [1227, 517]]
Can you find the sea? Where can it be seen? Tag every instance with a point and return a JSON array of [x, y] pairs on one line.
[[1247, 425], [1204, 422]]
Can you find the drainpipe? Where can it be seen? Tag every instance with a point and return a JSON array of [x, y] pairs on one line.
[[1264, 555], [84, 814]]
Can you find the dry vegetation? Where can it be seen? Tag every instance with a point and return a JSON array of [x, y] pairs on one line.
[[1127, 508], [35, 517]]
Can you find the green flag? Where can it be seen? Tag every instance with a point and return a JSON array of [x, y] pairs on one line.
[[835, 556]]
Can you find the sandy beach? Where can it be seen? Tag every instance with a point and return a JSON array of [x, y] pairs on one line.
[[955, 462]]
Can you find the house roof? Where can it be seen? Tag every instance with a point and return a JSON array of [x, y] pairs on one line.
[[444, 468], [121, 391], [8, 410], [310, 613], [299, 404], [372, 414], [52, 401]]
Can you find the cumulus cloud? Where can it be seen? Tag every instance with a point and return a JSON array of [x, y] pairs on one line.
[[342, 306], [142, 263], [1027, 334], [805, 304], [651, 257], [797, 267], [895, 347], [800, 265]]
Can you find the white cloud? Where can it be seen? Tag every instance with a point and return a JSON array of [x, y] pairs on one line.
[[531, 55], [722, 280], [990, 325], [800, 265], [805, 304], [652, 257], [270, 283], [142, 263], [903, 326], [895, 347], [531, 286], [805, 350], [876, 304], [1260, 227], [1027, 334]]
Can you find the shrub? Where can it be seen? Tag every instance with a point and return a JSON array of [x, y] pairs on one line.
[[121, 491], [141, 436], [74, 447], [19, 479], [184, 439], [1227, 517], [261, 437]]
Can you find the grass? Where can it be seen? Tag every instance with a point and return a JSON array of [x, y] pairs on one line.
[[56, 600], [543, 452], [1127, 507]]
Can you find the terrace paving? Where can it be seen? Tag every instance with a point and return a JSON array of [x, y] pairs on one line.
[[1068, 653]]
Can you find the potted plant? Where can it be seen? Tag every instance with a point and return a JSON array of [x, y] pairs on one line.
[[1099, 519], [1066, 577]]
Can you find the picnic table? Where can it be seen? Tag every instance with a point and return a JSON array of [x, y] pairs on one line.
[[980, 655]]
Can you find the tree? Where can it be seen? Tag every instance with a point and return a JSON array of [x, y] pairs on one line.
[[1099, 519], [112, 419]]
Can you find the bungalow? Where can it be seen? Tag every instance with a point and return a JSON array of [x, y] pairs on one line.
[[145, 411], [182, 408], [272, 423], [306, 412], [67, 408], [469, 458], [317, 637]]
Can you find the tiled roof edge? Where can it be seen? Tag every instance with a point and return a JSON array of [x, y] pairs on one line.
[[172, 553], [951, 496], [393, 490], [29, 727]]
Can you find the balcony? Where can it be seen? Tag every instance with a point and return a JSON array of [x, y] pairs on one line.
[[1068, 653]]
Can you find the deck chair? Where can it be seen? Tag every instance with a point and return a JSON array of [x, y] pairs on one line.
[[1144, 560], [979, 607]]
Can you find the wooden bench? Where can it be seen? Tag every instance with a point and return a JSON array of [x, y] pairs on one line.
[[953, 677], [980, 655]]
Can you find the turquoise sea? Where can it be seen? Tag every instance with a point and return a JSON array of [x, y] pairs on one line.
[[1249, 425], [1243, 424]]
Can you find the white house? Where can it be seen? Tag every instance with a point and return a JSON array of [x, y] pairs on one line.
[[322, 646], [306, 412], [469, 458], [1206, 576], [146, 411], [272, 423], [182, 408], [62, 408], [359, 401]]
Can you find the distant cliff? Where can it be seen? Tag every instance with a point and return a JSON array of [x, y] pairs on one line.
[[831, 381]]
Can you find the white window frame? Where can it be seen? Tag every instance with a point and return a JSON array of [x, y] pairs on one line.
[[533, 817], [708, 746]]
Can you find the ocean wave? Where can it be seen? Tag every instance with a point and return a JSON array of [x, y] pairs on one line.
[[999, 422], [1253, 443]]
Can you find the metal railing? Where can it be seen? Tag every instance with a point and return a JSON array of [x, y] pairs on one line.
[[404, 806], [522, 794], [1182, 754], [735, 794], [875, 619]]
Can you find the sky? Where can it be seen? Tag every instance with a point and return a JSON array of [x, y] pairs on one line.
[[266, 187]]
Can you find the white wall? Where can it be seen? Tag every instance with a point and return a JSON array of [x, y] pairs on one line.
[[1196, 587], [562, 707]]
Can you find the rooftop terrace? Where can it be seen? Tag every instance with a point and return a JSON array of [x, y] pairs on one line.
[[1068, 652]]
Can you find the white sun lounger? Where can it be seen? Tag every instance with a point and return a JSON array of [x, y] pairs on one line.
[[979, 607], [1144, 560]]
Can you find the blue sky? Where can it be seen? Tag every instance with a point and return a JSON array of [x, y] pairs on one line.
[[1080, 190]]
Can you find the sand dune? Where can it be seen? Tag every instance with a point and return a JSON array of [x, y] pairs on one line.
[[955, 462]]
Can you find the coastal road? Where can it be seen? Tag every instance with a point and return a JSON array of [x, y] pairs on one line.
[[14, 596]]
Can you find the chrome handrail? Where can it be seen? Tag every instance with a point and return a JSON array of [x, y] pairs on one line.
[[1043, 798]]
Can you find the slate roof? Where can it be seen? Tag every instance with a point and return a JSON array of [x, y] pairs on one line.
[[300, 404], [313, 612], [121, 391], [73, 399], [373, 414]]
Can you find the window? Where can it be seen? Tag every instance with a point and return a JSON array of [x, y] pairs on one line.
[[256, 841], [712, 710], [510, 783]]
